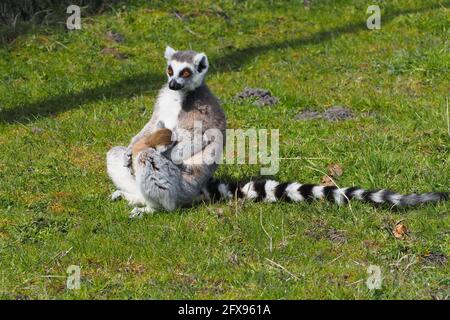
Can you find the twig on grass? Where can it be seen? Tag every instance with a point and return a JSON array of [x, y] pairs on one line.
[[355, 282], [448, 120], [268, 235], [284, 269], [192, 32], [335, 259], [61, 254], [283, 238]]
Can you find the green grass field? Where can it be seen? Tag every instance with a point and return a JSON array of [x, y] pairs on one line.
[[63, 104]]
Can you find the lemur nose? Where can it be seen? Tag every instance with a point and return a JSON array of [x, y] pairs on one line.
[[173, 85]]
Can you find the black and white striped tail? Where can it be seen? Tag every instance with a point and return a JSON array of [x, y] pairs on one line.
[[272, 191]]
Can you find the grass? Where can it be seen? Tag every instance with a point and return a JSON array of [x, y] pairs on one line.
[[63, 105]]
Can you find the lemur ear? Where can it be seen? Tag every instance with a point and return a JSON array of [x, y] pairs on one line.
[[201, 62], [169, 53]]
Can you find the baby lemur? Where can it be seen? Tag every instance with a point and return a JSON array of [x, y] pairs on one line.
[[166, 167]]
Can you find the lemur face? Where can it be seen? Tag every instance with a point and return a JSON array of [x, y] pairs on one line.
[[185, 69]]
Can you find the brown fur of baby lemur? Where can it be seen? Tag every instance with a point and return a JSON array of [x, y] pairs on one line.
[[161, 137]]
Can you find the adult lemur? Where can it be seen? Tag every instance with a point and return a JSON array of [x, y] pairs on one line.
[[174, 173], [166, 167]]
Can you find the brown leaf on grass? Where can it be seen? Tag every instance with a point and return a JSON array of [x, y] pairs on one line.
[[399, 231], [56, 207], [326, 181], [334, 170]]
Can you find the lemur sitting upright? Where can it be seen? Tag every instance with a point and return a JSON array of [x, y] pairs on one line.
[[187, 107], [147, 175]]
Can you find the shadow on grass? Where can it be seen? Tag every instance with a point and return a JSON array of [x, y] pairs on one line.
[[239, 57], [142, 82], [125, 88]]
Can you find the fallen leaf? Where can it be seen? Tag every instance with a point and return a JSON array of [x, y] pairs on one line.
[[326, 181], [57, 207], [400, 231], [335, 170]]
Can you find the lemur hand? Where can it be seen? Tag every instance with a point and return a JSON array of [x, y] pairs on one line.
[[127, 158]]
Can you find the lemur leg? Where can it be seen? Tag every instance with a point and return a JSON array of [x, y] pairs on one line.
[[161, 181], [122, 178]]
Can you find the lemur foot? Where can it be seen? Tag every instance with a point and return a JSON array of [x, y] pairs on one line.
[[116, 195], [138, 212]]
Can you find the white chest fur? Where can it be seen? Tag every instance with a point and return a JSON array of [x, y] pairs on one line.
[[169, 107]]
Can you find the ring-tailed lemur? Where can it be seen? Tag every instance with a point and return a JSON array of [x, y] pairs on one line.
[[146, 175], [187, 107]]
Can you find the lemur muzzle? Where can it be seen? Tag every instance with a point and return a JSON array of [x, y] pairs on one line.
[[174, 85]]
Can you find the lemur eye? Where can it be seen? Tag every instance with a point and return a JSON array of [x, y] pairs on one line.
[[185, 73], [170, 71]]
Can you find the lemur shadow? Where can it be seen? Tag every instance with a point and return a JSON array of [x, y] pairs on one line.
[[125, 88], [143, 82]]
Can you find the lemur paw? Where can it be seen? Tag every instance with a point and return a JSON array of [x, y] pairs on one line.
[[163, 148], [138, 212], [127, 161], [116, 195]]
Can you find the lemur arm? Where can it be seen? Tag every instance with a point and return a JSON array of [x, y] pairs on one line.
[[147, 130], [161, 138]]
